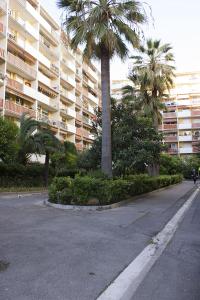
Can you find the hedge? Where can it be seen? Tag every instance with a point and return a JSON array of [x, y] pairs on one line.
[[82, 190], [16, 175]]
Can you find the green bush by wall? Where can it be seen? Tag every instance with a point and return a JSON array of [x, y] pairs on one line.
[[82, 190]]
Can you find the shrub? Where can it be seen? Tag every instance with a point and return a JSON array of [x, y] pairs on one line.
[[105, 191], [61, 190], [17, 175]]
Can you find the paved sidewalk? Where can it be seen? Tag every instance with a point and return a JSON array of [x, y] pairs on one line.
[[176, 275], [74, 255]]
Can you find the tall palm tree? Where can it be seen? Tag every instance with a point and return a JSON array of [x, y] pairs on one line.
[[152, 75], [104, 26]]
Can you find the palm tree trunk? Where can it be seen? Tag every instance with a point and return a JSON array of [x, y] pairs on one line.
[[106, 153], [46, 169]]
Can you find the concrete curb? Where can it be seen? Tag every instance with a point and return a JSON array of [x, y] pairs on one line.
[[126, 284], [104, 207]]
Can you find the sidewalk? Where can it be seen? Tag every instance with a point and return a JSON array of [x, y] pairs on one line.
[[55, 254], [176, 275]]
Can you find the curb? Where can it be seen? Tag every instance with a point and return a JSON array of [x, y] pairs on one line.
[[104, 207], [125, 285]]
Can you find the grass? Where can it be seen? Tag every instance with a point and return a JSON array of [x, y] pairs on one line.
[[22, 189]]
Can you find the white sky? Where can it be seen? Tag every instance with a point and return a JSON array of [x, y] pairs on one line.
[[175, 21]]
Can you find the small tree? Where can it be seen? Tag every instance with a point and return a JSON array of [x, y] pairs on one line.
[[8, 140]]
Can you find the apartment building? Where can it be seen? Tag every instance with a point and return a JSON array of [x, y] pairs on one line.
[[116, 87], [41, 75], [181, 119]]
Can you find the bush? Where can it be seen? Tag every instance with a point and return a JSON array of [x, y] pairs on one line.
[[82, 190], [61, 190], [17, 175]]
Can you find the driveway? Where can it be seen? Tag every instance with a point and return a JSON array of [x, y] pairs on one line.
[[73, 255]]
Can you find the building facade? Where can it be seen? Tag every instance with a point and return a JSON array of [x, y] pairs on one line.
[[181, 119], [41, 75]]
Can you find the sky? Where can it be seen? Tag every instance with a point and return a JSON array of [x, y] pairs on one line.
[[175, 21]]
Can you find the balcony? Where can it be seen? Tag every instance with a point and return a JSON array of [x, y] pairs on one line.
[[195, 113], [48, 102], [185, 138], [171, 138], [14, 85], [195, 125], [22, 68], [49, 50], [169, 115], [25, 49], [184, 114], [68, 112], [11, 108], [69, 65], [172, 151], [49, 31], [79, 131], [86, 133], [93, 98], [2, 30], [68, 127], [29, 8], [69, 96], [185, 126], [48, 121], [3, 7], [87, 121], [68, 80], [79, 117], [22, 25], [79, 101], [169, 126], [185, 150]]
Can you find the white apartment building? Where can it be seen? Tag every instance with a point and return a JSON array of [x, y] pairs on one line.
[[181, 119], [41, 75]]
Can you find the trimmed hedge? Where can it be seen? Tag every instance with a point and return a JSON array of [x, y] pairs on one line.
[[16, 175], [82, 190]]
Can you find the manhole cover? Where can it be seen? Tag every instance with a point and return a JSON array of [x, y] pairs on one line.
[[3, 265]]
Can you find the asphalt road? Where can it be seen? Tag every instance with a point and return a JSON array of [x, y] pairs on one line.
[[72, 255], [176, 275]]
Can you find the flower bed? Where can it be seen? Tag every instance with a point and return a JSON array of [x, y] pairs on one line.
[[97, 191]]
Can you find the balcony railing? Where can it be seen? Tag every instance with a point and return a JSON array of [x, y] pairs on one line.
[[79, 101], [170, 138], [169, 115], [11, 83], [85, 133], [79, 117], [172, 151], [79, 131], [195, 113], [18, 109], [169, 126], [20, 64], [48, 121], [196, 125]]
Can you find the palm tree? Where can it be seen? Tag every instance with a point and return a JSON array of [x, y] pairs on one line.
[[25, 139], [152, 78], [36, 138], [152, 75], [104, 26], [46, 143]]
